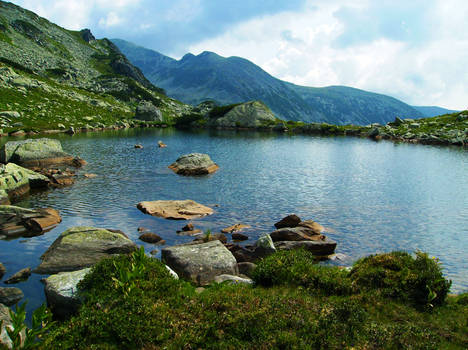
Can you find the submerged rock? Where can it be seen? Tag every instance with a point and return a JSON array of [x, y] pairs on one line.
[[175, 210], [200, 263], [21, 275], [80, 247], [62, 292], [10, 296], [194, 164]]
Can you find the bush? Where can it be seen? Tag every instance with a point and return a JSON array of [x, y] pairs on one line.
[[399, 275], [298, 267], [187, 120]]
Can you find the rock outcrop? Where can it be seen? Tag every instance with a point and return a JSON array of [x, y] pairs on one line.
[[62, 292], [175, 210], [16, 181], [251, 114], [81, 247], [17, 221], [194, 164], [200, 263], [147, 111]]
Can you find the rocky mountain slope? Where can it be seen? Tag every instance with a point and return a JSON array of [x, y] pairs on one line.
[[433, 111], [52, 77], [208, 76]]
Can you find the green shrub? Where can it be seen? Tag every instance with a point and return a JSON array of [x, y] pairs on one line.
[[187, 120], [299, 268], [220, 111], [399, 275]]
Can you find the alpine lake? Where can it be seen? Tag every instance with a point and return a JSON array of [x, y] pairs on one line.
[[371, 197]]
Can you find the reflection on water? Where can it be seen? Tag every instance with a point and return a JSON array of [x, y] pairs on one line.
[[372, 197]]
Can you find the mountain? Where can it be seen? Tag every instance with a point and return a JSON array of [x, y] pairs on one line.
[[50, 76], [208, 76], [433, 111]]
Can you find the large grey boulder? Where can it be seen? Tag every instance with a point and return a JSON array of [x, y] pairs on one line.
[[10, 296], [322, 247], [147, 111], [194, 164], [251, 114], [81, 247], [16, 181], [62, 292], [200, 263]]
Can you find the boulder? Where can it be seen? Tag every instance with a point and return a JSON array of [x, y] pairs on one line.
[[5, 321], [211, 237], [232, 279], [246, 268], [200, 263], [2, 270], [21, 275], [10, 114], [150, 237], [312, 225], [147, 111], [234, 228], [10, 296], [175, 210], [251, 114], [289, 221], [36, 152], [294, 234], [138, 146], [62, 292], [16, 181], [172, 272], [262, 248], [194, 164], [81, 247], [322, 247], [239, 237], [17, 221]]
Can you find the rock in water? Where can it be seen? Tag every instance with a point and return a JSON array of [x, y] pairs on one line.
[[234, 228], [175, 210], [320, 248], [200, 263], [314, 226], [81, 247], [21, 275], [194, 164], [294, 234], [16, 181], [10, 296], [36, 153], [150, 237], [289, 221], [62, 292], [2, 270], [147, 111]]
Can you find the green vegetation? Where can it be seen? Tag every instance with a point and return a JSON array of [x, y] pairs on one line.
[[295, 304], [219, 111]]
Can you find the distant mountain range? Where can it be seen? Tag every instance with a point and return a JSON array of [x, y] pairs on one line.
[[208, 76], [432, 111]]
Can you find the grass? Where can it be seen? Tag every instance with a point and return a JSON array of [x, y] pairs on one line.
[[294, 305]]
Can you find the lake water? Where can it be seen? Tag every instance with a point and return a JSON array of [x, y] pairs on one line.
[[372, 197]]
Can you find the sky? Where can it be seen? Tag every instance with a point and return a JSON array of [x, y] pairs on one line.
[[416, 51]]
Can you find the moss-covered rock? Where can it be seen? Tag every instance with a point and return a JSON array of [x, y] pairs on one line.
[[251, 114], [194, 164], [16, 181]]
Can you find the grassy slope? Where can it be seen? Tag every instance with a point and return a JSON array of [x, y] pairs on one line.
[[314, 308]]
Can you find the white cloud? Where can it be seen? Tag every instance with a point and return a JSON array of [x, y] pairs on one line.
[[427, 73], [111, 20]]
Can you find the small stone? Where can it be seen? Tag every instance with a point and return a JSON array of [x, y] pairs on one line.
[[234, 228], [161, 144], [142, 229], [21, 275], [138, 146], [289, 221], [188, 227], [154, 252], [239, 237], [150, 237], [89, 176]]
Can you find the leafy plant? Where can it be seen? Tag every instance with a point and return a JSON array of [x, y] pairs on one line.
[[129, 274]]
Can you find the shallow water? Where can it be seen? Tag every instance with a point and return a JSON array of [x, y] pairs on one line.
[[372, 197]]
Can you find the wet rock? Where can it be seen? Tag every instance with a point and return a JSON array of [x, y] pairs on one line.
[[138, 146], [234, 228], [175, 210], [211, 237], [188, 227], [190, 233], [2, 270], [81, 247], [21, 275], [232, 279], [147, 111], [246, 268], [289, 221], [89, 176], [294, 234], [161, 144], [16, 181], [10, 295], [150, 237], [194, 164], [36, 153], [239, 237], [312, 225], [325, 246], [200, 263], [17, 221], [62, 292]]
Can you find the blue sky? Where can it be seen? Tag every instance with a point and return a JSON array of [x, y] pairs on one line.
[[415, 50]]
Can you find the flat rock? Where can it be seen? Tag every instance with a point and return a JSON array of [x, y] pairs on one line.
[[21, 275], [16, 181], [314, 226], [62, 292], [289, 221], [175, 210], [212, 237], [194, 164], [234, 228], [321, 247], [200, 263], [232, 279], [10, 295], [81, 247], [239, 237], [294, 234]]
